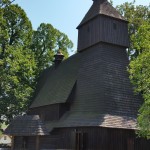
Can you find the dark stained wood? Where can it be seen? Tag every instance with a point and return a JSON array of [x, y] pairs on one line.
[[37, 142], [92, 138], [51, 112], [102, 88], [12, 143], [63, 108], [130, 144], [31, 143], [103, 29], [18, 142], [46, 113]]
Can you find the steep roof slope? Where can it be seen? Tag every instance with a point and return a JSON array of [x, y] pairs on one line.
[[58, 82], [101, 8], [103, 95], [26, 126]]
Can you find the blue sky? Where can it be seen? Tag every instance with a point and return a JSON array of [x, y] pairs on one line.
[[65, 15]]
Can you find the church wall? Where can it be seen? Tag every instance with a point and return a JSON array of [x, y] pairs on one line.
[[96, 138], [88, 138], [50, 112], [24, 143]]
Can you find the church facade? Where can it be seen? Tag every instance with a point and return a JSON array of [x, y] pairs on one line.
[[85, 102]]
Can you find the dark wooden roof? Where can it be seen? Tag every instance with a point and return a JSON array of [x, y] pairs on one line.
[[89, 119], [97, 120], [58, 82], [26, 126], [103, 95], [101, 7]]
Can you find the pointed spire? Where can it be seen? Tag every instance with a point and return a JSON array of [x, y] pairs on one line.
[[58, 57], [101, 1]]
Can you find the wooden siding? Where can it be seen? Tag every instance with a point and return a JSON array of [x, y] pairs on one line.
[[18, 141], [95, 139], [63, 108], [51, 112], [100, 139], [103, 29], [30, 143], [46, 113]]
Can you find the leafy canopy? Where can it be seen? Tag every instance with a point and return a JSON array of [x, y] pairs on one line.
[[17, 62], [139, 54], [45, 42], [24, 54], [137, 15]]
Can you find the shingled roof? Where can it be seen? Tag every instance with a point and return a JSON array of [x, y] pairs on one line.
[[101, 7], [103, 95], [97, 120], [58, 82], [26, 126]]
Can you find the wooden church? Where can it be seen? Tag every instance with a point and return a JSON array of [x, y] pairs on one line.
[[85, 102]]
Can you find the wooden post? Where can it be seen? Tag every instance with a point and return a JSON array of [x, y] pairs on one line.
[[130, 143], [37, 142], [12, 143]]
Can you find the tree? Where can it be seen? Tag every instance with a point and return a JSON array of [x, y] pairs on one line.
[[15, 27], [137, 15], [140, 77], [139, 54], [24, 54], [17, 63], [46, 41]]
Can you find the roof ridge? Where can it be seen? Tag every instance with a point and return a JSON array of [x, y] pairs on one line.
[[101, 8]]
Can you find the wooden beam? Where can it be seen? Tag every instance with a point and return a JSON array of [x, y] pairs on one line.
[[12, 143], [130, 144], [37, 142]]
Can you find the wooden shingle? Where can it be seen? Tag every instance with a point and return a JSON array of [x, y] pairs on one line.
[[101, 7], [26, 126], [58, 83]]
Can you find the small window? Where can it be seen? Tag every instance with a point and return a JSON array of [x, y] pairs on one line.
[[114, 26]]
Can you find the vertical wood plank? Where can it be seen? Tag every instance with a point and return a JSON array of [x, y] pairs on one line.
[[12, 143], [130, 144], [37, 142]]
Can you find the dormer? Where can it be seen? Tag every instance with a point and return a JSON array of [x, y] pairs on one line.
[[102, 23]]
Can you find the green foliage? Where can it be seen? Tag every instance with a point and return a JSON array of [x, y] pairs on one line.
[[17, 76], [137, 15], [17, 63], [140, 77], [139, 54], [24, 54], [16, 28], [46, 41], [0, 133]]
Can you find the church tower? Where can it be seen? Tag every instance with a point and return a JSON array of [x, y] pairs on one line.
[[102, 23]]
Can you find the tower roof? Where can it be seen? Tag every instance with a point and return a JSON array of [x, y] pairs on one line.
[[101, 7]]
